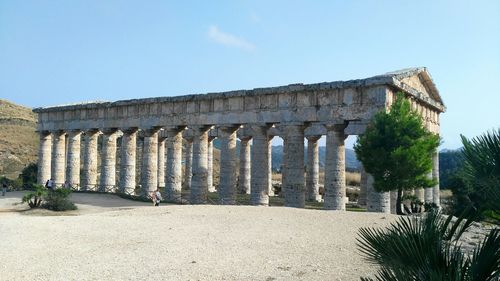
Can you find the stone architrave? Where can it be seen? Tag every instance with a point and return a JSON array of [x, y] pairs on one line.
[[73, 165], [244, 175], [150, 161], [108, 161], [210, 159], [58, 157], [128, 161], [294, 189], [44, 157], [259, 190], [173, 176], [199, 184], [335, 192], [89, 179], [312, 179], [228, 165], [161, 162]]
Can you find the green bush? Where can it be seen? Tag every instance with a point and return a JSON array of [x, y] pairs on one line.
[[57, 200], [34, 198]]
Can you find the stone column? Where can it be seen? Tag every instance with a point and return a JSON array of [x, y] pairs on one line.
[[394, 198], [58, 157], [188, 167], [199, 184], [44, 157], [435, 175], [312, 183], [420, 194], [429, 191], [161, 162], [294, 189], [270, 191], [173, 177], [284, 167], [128, 161], [228, 165], [210, 159], [89, 180], [73, 165], [149, 170], [335, 194], [259, 190], [362, 187], [244, 177], [108, 161], [379, 202]]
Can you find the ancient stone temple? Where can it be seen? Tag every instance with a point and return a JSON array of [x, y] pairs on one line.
[[70, 136]]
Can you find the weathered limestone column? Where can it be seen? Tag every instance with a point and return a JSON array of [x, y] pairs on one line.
[[128, 161], [435, 175], [161, 161], [270, 191], [394, 199], [188, 167], [89, 179], [376, 201], [149, 171], [362, 187], [58, 157], [294, 190], [210, 159], [429, 191], [284, 167], [108, 161], [335, 194], [73, 165], [244, 177], [44, 157], [228, 165], [420, 194], [259, 191], [199, 184], [312, 180], [173, 177]]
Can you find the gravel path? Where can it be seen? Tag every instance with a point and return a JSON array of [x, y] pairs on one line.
[[110, 238]]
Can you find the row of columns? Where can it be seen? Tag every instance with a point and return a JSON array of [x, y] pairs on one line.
[[254, 176]]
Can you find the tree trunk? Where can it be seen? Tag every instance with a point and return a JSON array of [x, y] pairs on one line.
[[399, 210]]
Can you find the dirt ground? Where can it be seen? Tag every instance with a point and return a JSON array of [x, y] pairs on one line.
[[110, 238]]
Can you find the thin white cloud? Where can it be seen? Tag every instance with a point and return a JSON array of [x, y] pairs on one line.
[[227, 39]]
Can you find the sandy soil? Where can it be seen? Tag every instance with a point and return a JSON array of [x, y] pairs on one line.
[[110, 238]]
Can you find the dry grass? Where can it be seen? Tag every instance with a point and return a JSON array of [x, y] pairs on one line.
[[18, 139]]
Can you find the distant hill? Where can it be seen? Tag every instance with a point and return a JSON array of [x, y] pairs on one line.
[[18, 140]]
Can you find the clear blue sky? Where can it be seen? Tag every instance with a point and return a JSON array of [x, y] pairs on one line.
[[56, 52]]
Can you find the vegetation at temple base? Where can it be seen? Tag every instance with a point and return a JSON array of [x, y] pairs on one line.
[[426, 248], [397, 150], [35, 197], [58, 200], [477, 184]]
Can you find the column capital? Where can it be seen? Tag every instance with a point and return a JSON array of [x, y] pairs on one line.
[[108, 131], [314, 138], [58, 132], [224, 131], [150, 131], [91, 131], [200, 128], [129, 130], [245, 138]]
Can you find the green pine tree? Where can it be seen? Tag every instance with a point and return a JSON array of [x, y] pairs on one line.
[[396, 149]]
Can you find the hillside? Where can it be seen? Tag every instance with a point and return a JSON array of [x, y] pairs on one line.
[[18, 140]]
